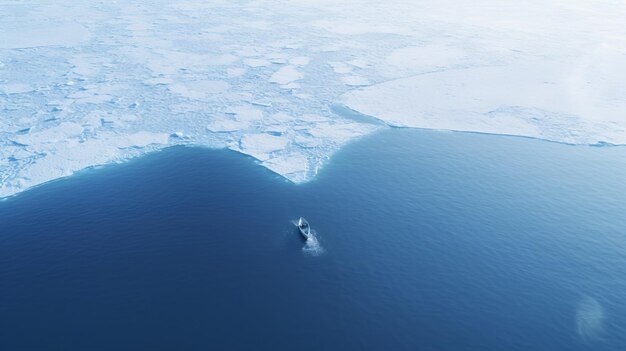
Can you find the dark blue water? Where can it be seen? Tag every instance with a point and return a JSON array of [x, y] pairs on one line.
[[432, 241]]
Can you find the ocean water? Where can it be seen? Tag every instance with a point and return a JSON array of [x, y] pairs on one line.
[[427, 241]]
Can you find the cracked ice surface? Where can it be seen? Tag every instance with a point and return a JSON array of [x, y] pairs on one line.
[[90, 83]]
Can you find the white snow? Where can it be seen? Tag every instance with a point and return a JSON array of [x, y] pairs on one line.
[[300, 60], [87, 83], [544, 100], [140, 140], [33, 34], [256, 62], [199, 89], [15, 88], [227, 125], [340, 67], [426, 58], [260, 146], [355, 81]]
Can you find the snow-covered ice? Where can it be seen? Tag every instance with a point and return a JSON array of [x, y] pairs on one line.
[[286, 75], [289, 82], [543, 100]]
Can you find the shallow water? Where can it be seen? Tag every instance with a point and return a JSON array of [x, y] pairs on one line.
[[431, 241]]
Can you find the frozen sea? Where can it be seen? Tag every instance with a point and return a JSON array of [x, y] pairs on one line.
[[428, 240], [90, 83]]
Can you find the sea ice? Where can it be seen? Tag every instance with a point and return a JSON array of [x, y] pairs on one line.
[[256, 62], [355, 81], [33, 34], [90, 83], [285, 75], [543, 100]]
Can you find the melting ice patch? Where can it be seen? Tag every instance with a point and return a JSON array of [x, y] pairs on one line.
[[589, 318], [89, 83]]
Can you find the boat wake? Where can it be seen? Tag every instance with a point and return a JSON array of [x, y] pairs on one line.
[[312, 246]]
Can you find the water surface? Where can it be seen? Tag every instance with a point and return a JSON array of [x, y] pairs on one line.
[[432, 241]]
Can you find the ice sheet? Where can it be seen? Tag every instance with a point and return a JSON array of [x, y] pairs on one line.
[[544, 100]]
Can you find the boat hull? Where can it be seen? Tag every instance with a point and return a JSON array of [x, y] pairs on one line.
[[304, 228]]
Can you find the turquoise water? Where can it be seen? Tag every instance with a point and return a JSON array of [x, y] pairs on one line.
[[428, 241]]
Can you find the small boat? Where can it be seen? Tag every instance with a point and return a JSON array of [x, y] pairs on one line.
[[304, 227]]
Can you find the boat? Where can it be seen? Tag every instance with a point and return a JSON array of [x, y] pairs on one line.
[[304, 227]]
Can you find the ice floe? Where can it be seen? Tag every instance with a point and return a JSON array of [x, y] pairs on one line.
[[285, 75]]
